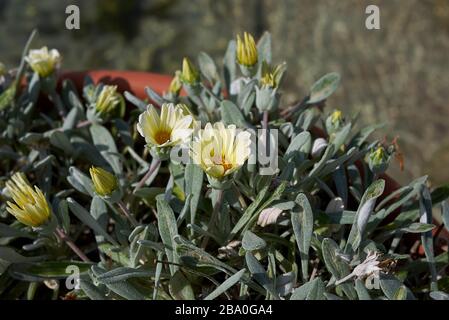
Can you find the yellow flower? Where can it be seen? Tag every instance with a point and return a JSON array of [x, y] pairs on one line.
[[271, 76], [172, 127], [190, 74], [107, 100], [31, 206], [220, 150], [246, 50], [336, 117], [105, 183], [42, 61], [175, 84]]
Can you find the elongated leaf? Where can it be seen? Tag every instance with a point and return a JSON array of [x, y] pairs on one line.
[[167, 230], [252, 242], [324, 87], [302, 223], [231, 114], [180, 287], [312, 290], [259, 274], [105, 143], [228, 283]]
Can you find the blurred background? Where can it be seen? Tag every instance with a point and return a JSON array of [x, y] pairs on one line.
[[397, 75]]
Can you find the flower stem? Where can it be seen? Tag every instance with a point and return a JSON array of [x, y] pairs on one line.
[[214, 216], [64, 237], [147, 175], [127, 214]]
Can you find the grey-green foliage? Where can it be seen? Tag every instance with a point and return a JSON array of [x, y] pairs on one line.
[[276, 236]]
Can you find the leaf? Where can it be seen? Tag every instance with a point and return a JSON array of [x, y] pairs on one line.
[[439, 295], [45, 270], [208, 67], [105, 143], [259, 274], [80, 181], [59, 139], [7, 231], [417, 227], [87, 219], [312, 290], [252, 242], [364, 211], [324, 87], [445, 214], [70, 120], [154, 96], [393, 288], [123, 273], [336, 266], [264, 47], [231, 114], [300, 145], [362, 292], [194, 176], [141, 105], [180, 287], [11, 255], [228, 283], [302, 223], [167, 230], [229, 64]]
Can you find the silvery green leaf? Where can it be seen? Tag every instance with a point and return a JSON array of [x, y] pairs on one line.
[[208, 67], [105, 143], [87, 219], [10, 231], [180, 287], [70, 120], [91, 290], [141, 105], [425, 205], [229, 64], [80, 181], [31, 138], [312, 290], [124, 132], [62, 214], [154, 96], [300, 146], [194, 176], [231, 114], [445, 214], [46, 270], [364, 211], [393, 288], [324, 87], [59, 139], [11, 255], [269, 216], [264, 47], [362, 292], [302, 223], [252, 242], [341, 136], [167, 230], [337, 266], [99, 212], [123, 273], [45, 162], [228, 283], [417, 227], [259, 274], [123, 288], [439, 295]]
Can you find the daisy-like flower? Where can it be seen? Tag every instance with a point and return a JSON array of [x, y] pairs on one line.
[[370, 266], [30, 205], [220, 150], [42, 61], [173, 126]]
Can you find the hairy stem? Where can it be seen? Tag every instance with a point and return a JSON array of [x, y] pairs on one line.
[[147, 175], [127, 214]]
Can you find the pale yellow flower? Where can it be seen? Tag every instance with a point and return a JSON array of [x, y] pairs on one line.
[[220, 150], [171, 127], [336, 117], [31, 206], [107, 100], [246, 50], [105, 183], [42, 61]]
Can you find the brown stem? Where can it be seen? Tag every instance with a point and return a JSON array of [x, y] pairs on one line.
[[127, 214], [64, 237], [148, 174]]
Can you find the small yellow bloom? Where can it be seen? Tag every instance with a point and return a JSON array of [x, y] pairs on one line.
[[336, 117], [190, 74], [107, 100], [31, 206], [105, 183], [175, 84], [378, 155], [220, 150], [42, 61], [271, 76], [172, 127], [246, 50]]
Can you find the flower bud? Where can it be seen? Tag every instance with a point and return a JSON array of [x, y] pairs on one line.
[[190, 74], [266, 98], [43, 62], [334, 122], [108, 100], [378, 160], [246, 50], [105, 183], [30, 207], [175, 85]]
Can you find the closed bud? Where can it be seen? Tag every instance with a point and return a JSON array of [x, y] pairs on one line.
[[175, 85], [246, 50], [190, 74], [105, 183]]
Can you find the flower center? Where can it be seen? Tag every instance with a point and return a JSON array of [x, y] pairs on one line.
[[225, 164], [162, 136]]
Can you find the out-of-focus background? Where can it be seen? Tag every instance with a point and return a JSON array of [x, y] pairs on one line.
[[398, 74]]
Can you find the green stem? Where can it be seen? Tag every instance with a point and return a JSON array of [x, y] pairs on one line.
[[127, 213], [214, 216], [64, 237]]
